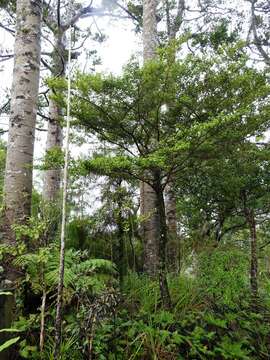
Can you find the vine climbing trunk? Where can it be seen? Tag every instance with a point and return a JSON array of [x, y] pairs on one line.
[[60, 287]]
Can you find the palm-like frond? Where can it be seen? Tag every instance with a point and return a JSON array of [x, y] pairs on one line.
[[97, 266], [87, 275]]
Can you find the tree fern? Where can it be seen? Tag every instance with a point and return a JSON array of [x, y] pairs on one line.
[[80, 271]]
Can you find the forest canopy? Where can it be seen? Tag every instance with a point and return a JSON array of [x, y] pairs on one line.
[[141, 230]]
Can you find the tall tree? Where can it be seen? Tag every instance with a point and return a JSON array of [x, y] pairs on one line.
[[20, 148], [126, 112], [173, 25], [58, 22], [23, 110], [147, 194]]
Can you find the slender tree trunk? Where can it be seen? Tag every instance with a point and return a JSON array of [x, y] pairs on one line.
[[42, 323], [147, 194], [60, 287], [52, 177], [163, 239], [19, 159]]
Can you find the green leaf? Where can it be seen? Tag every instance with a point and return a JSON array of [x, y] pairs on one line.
[[10, 330], [8, 343]]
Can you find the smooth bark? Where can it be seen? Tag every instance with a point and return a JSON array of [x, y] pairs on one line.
[[52, 177], [19, 160], [20, 149]]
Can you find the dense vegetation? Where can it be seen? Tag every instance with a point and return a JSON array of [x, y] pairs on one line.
[[164, 243]]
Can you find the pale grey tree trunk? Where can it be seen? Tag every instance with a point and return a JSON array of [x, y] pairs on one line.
[[148, 196], [150, 229], [149, 29], [52, 177], [19, 161]]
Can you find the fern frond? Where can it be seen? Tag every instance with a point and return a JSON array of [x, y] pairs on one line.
[[97, 265]]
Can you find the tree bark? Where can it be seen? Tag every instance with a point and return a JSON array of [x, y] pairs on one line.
[[20, 149], [150, 230], [19, 161], [149, 29], [147, 194], [52, 177]]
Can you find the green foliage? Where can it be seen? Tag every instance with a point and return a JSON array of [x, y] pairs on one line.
[[171, 115], [215, 38], [190, 119], [142, 293], [224, 273], [54, 159], [9, 343], [81, 273], [141, 332]]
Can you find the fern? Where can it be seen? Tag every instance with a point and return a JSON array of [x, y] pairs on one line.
[[42, 269], [97, 265]]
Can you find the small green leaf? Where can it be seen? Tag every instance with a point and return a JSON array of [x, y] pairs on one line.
[[8, 343]]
